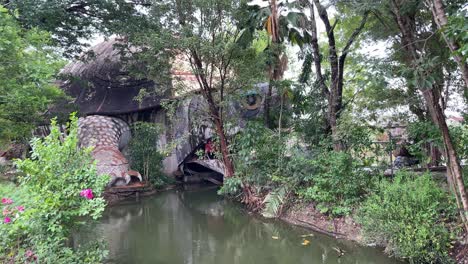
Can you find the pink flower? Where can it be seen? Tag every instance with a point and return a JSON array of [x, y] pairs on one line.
[[7, 201], [20, 208], [87, 193], [7, 220]]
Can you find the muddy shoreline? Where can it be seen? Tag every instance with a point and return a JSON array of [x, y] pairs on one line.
[[307, 216]]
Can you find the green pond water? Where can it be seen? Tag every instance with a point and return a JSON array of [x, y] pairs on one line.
[[199, 226]]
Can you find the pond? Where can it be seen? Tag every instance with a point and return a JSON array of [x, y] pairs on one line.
[[200, 226]]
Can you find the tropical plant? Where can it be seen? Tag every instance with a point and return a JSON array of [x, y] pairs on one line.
[[423, 135], [63, 191], [460, 137], [258, 151], [231, 187], [274, 201]]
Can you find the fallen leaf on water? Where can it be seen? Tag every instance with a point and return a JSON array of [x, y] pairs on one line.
[[340, 251], [305, 242], [275, 237]]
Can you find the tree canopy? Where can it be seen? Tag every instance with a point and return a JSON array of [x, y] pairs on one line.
[[28, 69]]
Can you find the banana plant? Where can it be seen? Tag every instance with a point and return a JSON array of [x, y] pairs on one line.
[[283, 21]]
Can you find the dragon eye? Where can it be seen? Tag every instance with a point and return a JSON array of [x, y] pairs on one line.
[[251, 101]]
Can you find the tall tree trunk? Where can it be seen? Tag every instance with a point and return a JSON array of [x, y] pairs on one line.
[[266, 105], [206, 89], [214, 112], [334, 97], [273, 31], [440, 18], [434, 154], [333, 114], [453, 164], [316, 56], [337, 65], [219, 128], [229, 166]]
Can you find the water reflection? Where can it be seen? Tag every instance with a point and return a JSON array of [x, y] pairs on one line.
[[201, 227]]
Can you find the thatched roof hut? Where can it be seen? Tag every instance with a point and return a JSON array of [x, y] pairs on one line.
[[103, 85]]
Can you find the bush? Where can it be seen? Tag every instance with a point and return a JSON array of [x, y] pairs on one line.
[[271, 163], [335, 183], [144, 154], [257, 152], [332, 179], [263, 158], [408, 217], [59, 191]]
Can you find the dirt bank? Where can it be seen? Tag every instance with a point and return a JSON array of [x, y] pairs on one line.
[[306, 215]]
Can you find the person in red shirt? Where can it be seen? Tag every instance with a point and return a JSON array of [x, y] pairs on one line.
[[209, 149]]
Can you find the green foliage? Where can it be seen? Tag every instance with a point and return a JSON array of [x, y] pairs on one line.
[[309, 109], [354, 134], [50, 191], [335, 182], [8, 189], [459, 135], [409, 217], [231, 186], [424, 133], [27, 70], [185, 29], [257, 152], [367, 91], [457, 30], [270, 162], [71, 22], [145, 156], [424, 130], [290, 21], [273, 202]]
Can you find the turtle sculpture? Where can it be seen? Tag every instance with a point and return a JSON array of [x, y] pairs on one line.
[[108, 136], [104, 95]]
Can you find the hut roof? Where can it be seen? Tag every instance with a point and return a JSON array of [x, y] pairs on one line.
[[103, 85]]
